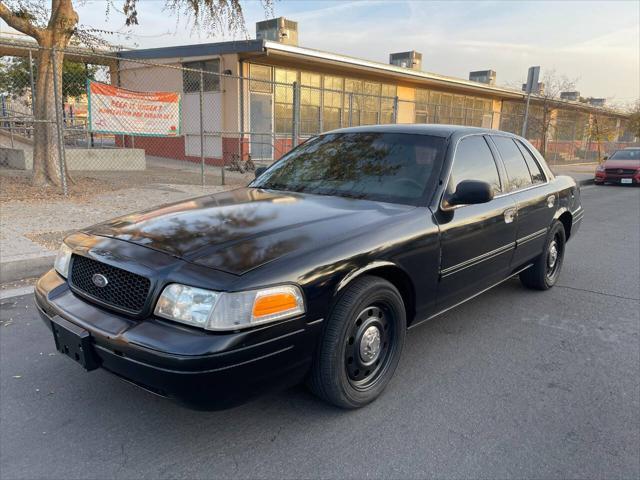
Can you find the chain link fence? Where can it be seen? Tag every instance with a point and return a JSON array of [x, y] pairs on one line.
[[220, 127]]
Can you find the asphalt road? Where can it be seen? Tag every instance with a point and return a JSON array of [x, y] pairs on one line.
[[515, 383]]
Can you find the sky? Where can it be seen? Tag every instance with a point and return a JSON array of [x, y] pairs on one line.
[[596, 44]]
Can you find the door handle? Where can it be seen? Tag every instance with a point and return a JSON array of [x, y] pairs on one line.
[[551, 201], [509, 215]]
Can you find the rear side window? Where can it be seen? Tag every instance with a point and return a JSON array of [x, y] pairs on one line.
[[474, 161], [517, 170], [534, 167]]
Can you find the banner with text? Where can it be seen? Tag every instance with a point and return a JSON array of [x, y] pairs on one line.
[[120, 111]]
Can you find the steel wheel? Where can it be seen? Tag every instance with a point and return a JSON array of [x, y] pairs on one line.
[[368, 346], [361, 343], [554, 257]]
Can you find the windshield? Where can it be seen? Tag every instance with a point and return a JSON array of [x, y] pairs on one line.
[[626, 154], [390, 167]]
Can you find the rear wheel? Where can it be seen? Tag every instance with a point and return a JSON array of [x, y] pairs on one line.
[[546, 269], [361, 345]]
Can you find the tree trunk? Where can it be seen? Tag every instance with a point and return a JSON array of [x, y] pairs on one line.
[[59, 30], [46, 156]]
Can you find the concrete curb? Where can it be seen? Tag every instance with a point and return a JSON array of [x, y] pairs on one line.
[[21, 269]]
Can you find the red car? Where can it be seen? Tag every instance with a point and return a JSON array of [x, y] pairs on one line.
[[622, 167]]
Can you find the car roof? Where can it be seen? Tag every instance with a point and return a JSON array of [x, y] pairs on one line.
[[419, 129], [631, 148]]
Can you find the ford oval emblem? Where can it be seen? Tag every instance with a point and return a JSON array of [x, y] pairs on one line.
[[99, 280]]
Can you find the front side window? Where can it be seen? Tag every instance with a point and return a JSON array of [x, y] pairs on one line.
[[515, 164], [210, 76], [474, 161], [391, 167]]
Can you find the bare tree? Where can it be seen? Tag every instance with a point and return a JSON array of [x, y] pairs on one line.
[[545, 102], [634, 119], [54, 25], [602, 128]]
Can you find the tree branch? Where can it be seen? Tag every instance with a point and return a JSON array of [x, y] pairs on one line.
[[21, 24]]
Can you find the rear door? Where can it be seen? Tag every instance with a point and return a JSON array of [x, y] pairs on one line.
[[477, 241], [535, 199]]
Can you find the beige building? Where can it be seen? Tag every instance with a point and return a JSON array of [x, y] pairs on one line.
[[264, 95]]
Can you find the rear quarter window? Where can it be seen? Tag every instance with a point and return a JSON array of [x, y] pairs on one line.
[[537, 175], [515, 164]]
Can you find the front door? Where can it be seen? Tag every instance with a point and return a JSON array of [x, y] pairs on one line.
[[261, 126], [477, 241]]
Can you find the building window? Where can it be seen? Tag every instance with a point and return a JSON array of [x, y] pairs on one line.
[[439, 107], [261, 80], [283, 101], [211, 76], [387, 102], [332, 102], [352, 102], [422, 106], [310, 90]]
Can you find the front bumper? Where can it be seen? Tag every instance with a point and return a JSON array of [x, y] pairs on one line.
[[603, 177], [200, 369]]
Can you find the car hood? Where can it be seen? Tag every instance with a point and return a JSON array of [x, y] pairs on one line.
[[625, 164], [239, 230]]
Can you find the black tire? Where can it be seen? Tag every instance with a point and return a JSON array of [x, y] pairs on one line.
[[546, 269], [351, 369]]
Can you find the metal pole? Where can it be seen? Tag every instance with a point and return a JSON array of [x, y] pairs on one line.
[[201, 98], [295, 130], [350, 109], [58, 100], [526, 116], [11, 131], [395, 109], [33, 89]]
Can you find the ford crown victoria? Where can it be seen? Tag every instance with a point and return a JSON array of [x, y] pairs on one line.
[[315, 271]]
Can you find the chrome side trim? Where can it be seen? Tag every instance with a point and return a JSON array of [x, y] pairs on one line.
[[476, 260], [532, 236], [523, 189], [415, 324]]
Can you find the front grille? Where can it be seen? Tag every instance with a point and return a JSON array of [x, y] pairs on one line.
[[621, 171], [124, 290]]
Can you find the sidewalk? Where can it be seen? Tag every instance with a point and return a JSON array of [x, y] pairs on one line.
[[583, 173]]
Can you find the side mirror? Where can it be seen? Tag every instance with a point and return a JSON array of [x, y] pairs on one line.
[[471, 192], [260, 170], [605, 158]]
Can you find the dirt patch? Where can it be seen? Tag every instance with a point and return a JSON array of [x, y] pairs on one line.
[[19, 188], [15, 185], [49, 240]]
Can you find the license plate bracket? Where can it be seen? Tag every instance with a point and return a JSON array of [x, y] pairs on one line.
[[74, 342]]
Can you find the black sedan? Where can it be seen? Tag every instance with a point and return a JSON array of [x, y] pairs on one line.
[[316, 270]]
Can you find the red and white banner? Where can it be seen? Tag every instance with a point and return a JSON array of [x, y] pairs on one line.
[[120, 111]]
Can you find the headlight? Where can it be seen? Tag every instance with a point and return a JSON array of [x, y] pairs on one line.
[[600, 168], [63, 258], [228, 311]]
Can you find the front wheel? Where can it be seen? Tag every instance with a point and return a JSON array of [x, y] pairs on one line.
[[361, 345], [546, 269]]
